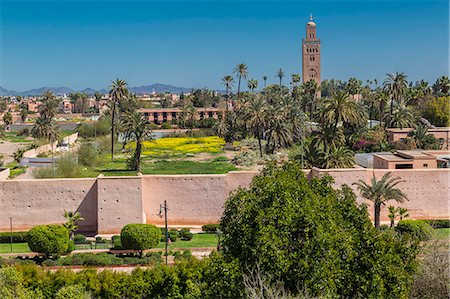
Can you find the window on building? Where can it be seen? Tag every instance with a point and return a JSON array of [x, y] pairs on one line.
[[403, 166], [425, 165]]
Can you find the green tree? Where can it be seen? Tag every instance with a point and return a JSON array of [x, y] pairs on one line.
[[339, 108], [252, 84], [140, 236], [265, 81], [7, 118], [381, 191], [72, 221], [49, 106], [117, 93], [442, 85], [136, 126], [48, 239], [47, 129], [395, 85], [436, 111], [401, 117], [353, 86], [23, 113], [312, 238], [393, 213], [228, 82], [241, 70], [337, 157], [280, 75], [255, 118]]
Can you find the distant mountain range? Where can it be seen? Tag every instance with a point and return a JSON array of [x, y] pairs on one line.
[[145, 89]]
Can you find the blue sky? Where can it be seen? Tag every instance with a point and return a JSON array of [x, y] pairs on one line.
[[82, 44]]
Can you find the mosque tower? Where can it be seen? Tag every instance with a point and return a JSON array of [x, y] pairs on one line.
[[311, 53]]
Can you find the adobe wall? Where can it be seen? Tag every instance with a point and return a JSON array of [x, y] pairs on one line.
[[191, 199], [34, 202], [119, 203], [428, 190]]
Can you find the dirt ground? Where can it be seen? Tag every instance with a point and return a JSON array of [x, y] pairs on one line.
[[7, 149]]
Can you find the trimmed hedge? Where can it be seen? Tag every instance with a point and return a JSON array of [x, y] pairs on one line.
[[139, 236], [79, 239], [210, 228], [439, 223], [185, 234], [48, 239], [18, 237], [418, 229]]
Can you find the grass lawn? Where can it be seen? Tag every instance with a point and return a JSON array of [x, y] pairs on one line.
[[198, 240], [13, 137], [17, 248], [15, 169], [442, 233]]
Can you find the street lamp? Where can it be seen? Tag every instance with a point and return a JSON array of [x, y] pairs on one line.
[[163, 209]]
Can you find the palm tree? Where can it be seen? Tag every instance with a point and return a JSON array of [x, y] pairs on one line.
[[380, 192], [255, 118], [401, 117], [339, 108], [442, 84], [252, 84], [311, 88], [278, 133], [228, 82], [353, 86], [137, 127], [72, 220], [338, 157], [392, 215], [241, 70], [117, 92], [47, 129], [295, 79], [7, 118], [395, 86], [265, 81], [49, 106], [280, 75], [403, 213]]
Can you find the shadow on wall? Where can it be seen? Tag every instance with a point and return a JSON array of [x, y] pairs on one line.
[[88, 208]]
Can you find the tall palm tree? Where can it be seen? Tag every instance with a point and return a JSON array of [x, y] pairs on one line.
[[421, 137], [395, 86], [353, 86], [295, 79], [393, 213], [339, 108], [72, 221], [255, 115], [311, 88], [137, 127], [278, 130], [442, 85], [241, 70], [49, 106], [380, 192], [265, 81], [280, 75], [252, 84], [117, 92], [47, 129]]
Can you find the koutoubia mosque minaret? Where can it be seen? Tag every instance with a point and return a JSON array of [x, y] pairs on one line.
[[311, 53]]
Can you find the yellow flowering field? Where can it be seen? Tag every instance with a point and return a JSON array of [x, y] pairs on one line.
[[182, 145]]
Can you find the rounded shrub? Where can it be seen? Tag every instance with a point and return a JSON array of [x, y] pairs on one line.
[[418, 229], [185, 234], [139, 236], [71, 246], [173, 234], [210, 228], [48, 239], [72, 292], [79, 239]]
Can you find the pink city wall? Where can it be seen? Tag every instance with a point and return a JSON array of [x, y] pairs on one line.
[[108, 203]]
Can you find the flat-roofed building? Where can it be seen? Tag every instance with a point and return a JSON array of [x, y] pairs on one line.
[[442, 134], [415, 159], [171, 115]]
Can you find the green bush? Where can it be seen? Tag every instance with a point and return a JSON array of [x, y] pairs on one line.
[[418, 229], [185, 234], [166, 125], [211, 228], [48, 239], [100, 128], [66, 167], [18, 237], [88, 155], [117, 243], [99, 240], [173, 235], [140, 236], [79, 239], [71, 246], [72, 292], [438, 223]]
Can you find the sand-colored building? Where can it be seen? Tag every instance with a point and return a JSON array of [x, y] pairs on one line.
[[441, 133], [414, 159], [171, 115]]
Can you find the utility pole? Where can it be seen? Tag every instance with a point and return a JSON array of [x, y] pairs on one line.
[[11, 235], [161, 208]]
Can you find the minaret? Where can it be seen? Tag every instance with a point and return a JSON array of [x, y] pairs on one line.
[[311, 53]]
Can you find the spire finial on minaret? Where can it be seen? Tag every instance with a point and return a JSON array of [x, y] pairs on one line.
[[311, 17]]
